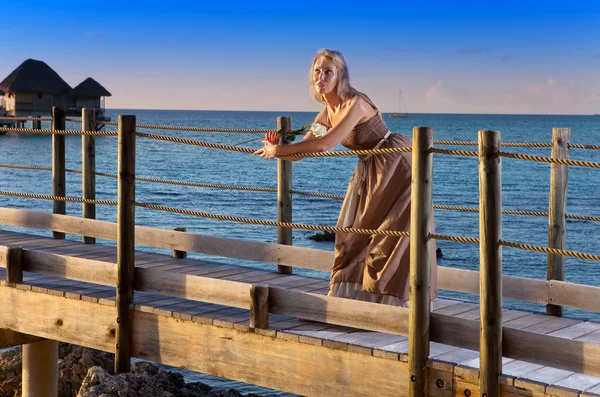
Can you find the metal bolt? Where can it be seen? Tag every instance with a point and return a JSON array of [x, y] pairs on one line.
[[467, 393], [439, 383], [413, 378], [59, 322]]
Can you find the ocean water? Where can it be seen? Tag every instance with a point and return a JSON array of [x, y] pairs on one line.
[[455, 182]]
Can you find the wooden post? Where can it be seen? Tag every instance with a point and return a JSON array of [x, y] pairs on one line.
[[14, 266], [284, 197], [259, 306], [557, 227], [421, 214], [176, 253], [36, 124], [58, 165], [40, 369], [490, 253], [125, 242], [88, 167]]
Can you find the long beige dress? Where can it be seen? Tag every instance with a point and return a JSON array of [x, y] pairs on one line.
[[376, 268]]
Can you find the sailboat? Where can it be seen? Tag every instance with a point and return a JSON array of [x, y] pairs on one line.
[[399, 115]]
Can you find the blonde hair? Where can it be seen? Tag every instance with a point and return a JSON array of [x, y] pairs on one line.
[[343, 87]]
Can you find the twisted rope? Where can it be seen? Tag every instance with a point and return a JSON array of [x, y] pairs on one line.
[[59, 132], [555, 251], [26, 167], [201, 129], [57, 198], [273, 223], [457, 239], [248, 150], [74, 120], [584, 217], [455, 152], [582, 146], [27, 118], [577, 163]]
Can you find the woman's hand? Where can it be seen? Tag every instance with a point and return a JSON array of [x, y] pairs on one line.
[[269, 151], [272, 137]]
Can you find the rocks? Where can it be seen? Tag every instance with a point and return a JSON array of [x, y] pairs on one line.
[[86, 372]]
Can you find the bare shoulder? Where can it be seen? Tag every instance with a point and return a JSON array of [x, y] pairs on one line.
[[363, 107]]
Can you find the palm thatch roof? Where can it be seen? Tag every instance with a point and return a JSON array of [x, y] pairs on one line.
[[89, 88], [35, 76]]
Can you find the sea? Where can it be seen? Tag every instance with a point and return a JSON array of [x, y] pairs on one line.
[[525, 186]]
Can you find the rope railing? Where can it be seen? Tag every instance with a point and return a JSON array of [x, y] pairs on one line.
[[576, 163], [369, 232], [519, 144], [59, 132], [555, 251], [293, 191], [27, 118], [73, 120], [57, 198], [248, 150]]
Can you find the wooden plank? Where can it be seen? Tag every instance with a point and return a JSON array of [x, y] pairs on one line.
[[574, 295], [365, 315], [421, 222], [520, 368], [579, 382], [82, 323], [88, 167], [10, 338], [58, 165], [241, 356], [103, 273], [259, 306], [555, 324], [557, 222], [527, 321], [577, 330], [284, 195], [548, 375]]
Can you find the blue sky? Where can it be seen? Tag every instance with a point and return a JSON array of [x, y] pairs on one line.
[[539, 57]]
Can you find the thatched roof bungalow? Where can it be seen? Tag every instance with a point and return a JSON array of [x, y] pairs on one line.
[[34, 87], [89, 94]]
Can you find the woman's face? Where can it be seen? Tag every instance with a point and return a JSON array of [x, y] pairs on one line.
[[325, 75]]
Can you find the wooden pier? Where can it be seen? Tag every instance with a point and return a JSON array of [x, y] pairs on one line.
[[245, 324]]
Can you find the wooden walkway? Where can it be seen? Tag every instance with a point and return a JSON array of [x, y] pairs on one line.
[[518, 373]]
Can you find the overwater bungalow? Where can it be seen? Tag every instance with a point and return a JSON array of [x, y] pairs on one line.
[[33, 88]]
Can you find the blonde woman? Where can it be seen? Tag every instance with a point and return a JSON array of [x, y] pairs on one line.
[[369, 268]]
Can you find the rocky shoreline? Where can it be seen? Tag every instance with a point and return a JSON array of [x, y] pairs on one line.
[[86, 372]]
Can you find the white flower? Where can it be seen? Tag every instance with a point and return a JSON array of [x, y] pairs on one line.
[[319, 130]]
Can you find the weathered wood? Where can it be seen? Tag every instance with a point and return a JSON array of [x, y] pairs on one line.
[[284, 195], [125, 241], [54, 317], [557, 222], [528, 290], [421, 219], [10, 338], [223, 292], [259, 306], [340, 311], [88, 167], [40, 369], [58, 165], [490, 254], [14, 265], [178, 253]]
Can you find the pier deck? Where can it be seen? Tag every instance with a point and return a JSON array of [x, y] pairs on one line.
[[536, 379]]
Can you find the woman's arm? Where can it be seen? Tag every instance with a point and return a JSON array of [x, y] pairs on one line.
[[321, 119], [357, 110]]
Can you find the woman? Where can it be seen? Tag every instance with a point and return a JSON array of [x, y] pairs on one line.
[[370, 268]]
